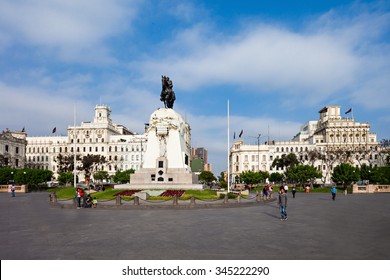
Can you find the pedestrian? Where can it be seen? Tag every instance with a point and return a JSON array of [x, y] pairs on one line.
[[78, 197], [285, 188], [94, 202], [270, 190], [283, 204], [13, 190], [333, 191], [265, 192], [293, 191]]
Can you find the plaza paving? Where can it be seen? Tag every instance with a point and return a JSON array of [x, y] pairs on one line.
[[352, 227]]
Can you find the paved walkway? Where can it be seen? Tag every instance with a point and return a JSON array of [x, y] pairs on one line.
[[352, 227]]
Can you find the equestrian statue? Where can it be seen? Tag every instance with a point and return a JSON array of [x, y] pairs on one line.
[[167, 94]]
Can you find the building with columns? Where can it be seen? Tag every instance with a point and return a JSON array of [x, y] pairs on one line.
[[13, 148], [324, 143], [122, 148]]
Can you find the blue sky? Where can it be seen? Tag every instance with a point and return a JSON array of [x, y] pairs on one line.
[[278, 62]]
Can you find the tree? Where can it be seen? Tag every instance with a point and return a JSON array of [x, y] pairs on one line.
[[123, 176], [207, 177], [90, 163], [250, 177], [65, 162], [65, 178], [345, 174], [365, 172], [222, 177], [264, 174], [380, 175], [276, 177], [285, 161], [302, 173]]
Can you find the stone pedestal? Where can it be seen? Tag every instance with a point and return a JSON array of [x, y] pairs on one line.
[[166, 163]]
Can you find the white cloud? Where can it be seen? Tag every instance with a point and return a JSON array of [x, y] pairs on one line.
[[38, 110], [76, 29], [330, 57]]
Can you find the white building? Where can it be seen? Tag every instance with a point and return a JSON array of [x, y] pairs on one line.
[[122, 148], [13, 148], [332, 138]]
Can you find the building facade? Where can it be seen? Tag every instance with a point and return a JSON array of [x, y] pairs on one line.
[[200, 155], [323, 144], [13, 148], [122, 148]]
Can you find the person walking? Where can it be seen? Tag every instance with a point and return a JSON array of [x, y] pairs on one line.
[[283, 204], [333, 190], [13, 190], [78, 198], [293, 191]]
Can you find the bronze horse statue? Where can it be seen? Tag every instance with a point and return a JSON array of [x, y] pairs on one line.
[[167, 94]]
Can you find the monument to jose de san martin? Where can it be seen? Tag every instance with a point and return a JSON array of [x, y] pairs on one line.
[[166, 163]]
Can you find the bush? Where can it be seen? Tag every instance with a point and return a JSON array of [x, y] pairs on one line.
[[229, 195]]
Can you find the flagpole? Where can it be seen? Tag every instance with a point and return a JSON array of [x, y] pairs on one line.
[[74, 148], [228, 136]]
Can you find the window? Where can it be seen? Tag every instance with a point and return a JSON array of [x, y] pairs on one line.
[[160, 164], [17, 150]]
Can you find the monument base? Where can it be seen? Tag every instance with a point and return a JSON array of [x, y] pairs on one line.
[[156, 186]]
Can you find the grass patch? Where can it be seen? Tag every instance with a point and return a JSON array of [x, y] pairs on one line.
[[166, 198], [110, 192], [203, 194], [64, 193]]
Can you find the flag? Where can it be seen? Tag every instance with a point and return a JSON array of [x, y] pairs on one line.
[[242, 131], [54, 130], [349, 111], [234, 135]]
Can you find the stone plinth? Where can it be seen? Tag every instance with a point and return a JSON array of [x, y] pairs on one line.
[[166, 163]]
